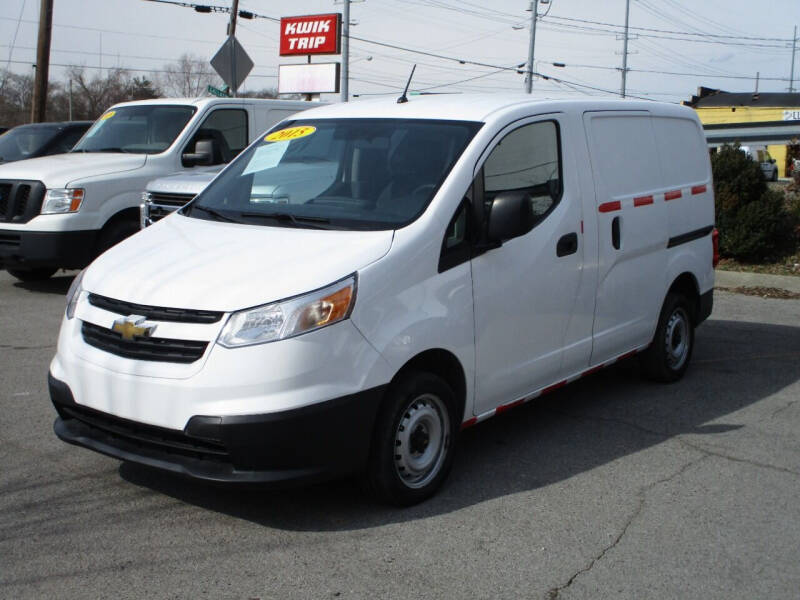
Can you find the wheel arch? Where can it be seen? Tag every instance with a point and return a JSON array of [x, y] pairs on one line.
[[686, 284], [131, 213]]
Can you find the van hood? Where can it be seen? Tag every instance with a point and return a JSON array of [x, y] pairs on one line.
[[191, 182], [182, 262], [61, 169]]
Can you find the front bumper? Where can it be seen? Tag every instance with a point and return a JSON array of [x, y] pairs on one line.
[[32, 249], [312, 443]]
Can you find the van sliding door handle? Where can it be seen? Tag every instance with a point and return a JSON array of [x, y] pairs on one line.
[[615, 233], [568, 244]]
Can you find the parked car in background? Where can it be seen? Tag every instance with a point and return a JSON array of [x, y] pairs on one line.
[[768, 164], [63, 211], [40, 139]]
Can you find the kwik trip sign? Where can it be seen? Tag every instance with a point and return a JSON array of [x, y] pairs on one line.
[[311, 34]]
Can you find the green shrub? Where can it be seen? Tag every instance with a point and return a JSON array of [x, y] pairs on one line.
[[753, 221]]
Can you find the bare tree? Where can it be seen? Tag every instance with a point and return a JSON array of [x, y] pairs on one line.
[[189, 77]]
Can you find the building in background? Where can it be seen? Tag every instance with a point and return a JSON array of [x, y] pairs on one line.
[[771, 119]]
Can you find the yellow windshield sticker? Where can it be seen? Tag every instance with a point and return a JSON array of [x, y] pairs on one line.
[[108, 115], [290, 133]]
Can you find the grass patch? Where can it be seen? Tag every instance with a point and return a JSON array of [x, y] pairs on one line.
[[787, 266], [762, 292]]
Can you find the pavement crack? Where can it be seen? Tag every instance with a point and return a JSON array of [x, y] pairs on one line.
[[39, 347], [554, 593]]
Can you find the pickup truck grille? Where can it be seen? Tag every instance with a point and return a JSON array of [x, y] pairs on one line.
[[156, 313], [160, 205], [20, 201], [144, 348]]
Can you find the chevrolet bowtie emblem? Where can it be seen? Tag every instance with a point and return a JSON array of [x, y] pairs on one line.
[[133, 326]]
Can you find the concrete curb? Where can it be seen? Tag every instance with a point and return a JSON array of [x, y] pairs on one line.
[[735, 279]]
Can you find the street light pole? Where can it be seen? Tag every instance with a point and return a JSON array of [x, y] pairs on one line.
[[791, 75], [625, 49], [231, 36], [529, 78], [346, 51]]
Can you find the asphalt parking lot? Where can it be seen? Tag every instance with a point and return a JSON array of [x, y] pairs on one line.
[[611, 487]]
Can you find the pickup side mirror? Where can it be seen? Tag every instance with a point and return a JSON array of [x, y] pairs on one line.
[[203, 154], [510, 215]]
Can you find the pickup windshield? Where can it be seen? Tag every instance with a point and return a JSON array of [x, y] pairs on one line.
[[25, 141], [144, 129], [337, 174]]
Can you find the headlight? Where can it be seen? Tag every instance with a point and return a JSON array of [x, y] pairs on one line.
[[74, 294], [288, 318], [62, 201]]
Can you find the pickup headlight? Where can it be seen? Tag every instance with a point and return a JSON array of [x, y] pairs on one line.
[[292, 317], [74, 294], [62, 201]]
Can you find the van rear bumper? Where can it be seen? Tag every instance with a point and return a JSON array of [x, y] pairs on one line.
[[34, 249], [312, 443], [706, 306]]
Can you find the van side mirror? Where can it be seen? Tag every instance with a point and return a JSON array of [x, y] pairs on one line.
[[510, 215], [203, 154]]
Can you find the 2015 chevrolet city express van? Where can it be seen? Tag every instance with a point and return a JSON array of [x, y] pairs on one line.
[[368, 279]]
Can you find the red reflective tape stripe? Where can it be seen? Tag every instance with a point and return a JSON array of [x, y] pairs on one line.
[[643, 201], [698, 189], [592, 370], [505, 407], [469, 422], [674, 195], [554, 387], [610, 206]]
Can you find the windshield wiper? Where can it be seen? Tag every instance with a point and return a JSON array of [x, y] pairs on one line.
[[296, 220], [214, 213]]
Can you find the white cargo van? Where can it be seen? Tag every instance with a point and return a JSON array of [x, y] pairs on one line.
[[63, 210], [439, 262]]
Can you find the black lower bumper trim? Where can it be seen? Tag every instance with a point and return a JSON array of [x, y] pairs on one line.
[[312, 443], [706, 306], [34, 249]]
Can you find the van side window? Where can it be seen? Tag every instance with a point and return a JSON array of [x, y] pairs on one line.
[[456, 247], [227, 129], [527, 160]]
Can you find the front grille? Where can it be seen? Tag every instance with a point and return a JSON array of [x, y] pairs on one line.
[[161, 205], [143, 348], [146, 436], [10, 239], [155, 313], [20, 201]]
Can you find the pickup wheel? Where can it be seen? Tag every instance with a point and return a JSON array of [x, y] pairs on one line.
[[113, 233], [414, 440], [668, 356], [32, 274]]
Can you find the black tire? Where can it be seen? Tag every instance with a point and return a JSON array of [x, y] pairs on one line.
[[414, 440], [39, 274], [113, 233], [668, 356]]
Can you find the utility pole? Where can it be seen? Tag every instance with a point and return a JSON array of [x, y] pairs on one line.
[[625, 49], [529, 77], [39, 103], [791, 75], [345, 85], [231, 36]]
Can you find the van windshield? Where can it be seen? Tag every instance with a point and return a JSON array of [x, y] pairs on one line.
[[25, 141], [337, 173], [144, 129]]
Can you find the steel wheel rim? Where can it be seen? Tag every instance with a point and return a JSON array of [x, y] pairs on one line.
[[677, 339], [421, 440]]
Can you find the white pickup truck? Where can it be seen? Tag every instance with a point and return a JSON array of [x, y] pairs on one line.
[[61, 211]]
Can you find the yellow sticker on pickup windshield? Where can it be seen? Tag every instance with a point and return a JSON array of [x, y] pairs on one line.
[[108, 115], [290, 133]]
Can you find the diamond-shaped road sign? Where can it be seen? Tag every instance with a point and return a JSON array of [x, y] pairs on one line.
[[232, 63]]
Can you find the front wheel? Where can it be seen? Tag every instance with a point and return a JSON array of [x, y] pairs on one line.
[[668, 356], [414, 440]]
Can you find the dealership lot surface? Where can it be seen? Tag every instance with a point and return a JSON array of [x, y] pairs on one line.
[[611, 487]]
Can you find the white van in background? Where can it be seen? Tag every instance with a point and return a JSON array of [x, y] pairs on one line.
[[61, 211], [761, 155], [372, 277]]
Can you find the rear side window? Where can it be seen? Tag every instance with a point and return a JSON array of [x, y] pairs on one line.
[[526, 160], [624, 155], [684, 158]]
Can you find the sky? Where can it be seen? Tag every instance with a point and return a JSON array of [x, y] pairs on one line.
[[675, 45]]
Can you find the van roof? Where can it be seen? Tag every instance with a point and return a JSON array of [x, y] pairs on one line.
[[479, 107], [204, 101]]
